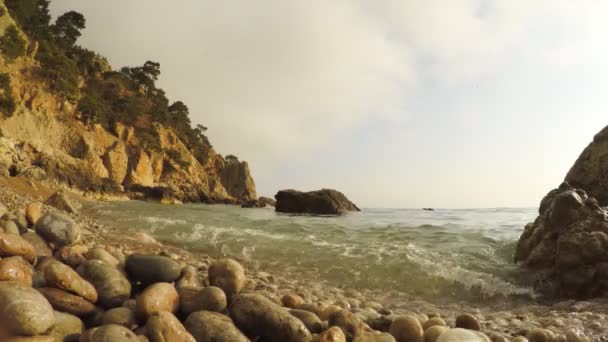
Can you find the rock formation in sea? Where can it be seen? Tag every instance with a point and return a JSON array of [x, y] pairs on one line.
[[567, 244], [67, 117], [320, 202]]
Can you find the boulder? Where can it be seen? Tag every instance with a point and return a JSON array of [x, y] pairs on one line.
[[63, 277], [61, 201], [206, 326], [25, 312], [460, 335], [156, 298], [165, 327], [58, 229], [321, 202], [15, 245], [113, 288], [228, 275], [259, 317], [566, 244], [236, 179], [149, 269], [116, 162], [16, 269], [67, 302]]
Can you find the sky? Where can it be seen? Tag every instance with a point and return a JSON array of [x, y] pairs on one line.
[[397, 103]]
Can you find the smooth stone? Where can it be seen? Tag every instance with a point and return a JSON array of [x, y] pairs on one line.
[[310, 320], [21, 221], [207, 326], [374, 337], [25, 312], [540, 335], [292, 301], [16, 269], [109, 333], [9, 227], [228, 275], [72, 255], [33, 211], [519, 339], [189, 278], [333, 334], [15, 245], [58, 229], [39, 338], [461, 335], [468, 321], [165, 327], [432, 333], [206, 299], [40, 245], [407, 329], [315, 308], [65, 278], [150, 269], [350, 324], [120, 316], [328, 311], [98, 253], [113, 288], [157, 298], [67, 327], [67, 302], [435, 321], [257, 315]]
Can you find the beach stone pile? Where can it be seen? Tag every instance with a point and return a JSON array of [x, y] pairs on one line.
[[55, 286], [566, 245]]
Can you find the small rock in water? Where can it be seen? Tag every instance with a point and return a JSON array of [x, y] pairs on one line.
[[228, 275], [150, 269], [156, 298], [468, 321], [208, 326], [407, 329], [58, 229]]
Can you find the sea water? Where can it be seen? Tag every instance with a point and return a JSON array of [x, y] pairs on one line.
[[439, 256]]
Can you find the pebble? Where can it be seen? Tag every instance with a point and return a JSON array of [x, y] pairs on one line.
[[65, 278], [228, 275], [164, 327], [157, 298], [435, 321], [33, 212], [15, 245], [432, 333], [292, 301], [468, 321], [333, 334], [58, 229], [66, 302], [16, 269], [310, 320], [24, 311], [206, 326], [109, 333], [407, 329], [120, 316], [462, 335], [40, 245], [150, 269], [113, 288]]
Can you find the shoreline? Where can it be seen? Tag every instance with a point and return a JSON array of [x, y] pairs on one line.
[[372, 307]]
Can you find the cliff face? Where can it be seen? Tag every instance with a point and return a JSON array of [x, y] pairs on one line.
[[44, 138]]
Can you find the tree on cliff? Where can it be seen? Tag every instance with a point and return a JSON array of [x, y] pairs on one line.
[[32, 16], [12, 44], [145, 76], [67, 28]]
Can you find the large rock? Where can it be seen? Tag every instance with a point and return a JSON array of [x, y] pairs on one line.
[[237, 181], [116, 161], [321, 202], [61, 201], [24, 310], [208, 326], [566, 245], [259, 317], [140, 170], [149, 269], [113, 288], [58, 229]]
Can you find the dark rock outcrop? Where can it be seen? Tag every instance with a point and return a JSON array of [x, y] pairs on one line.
[[567, 245], [320, 202], [261, 202]]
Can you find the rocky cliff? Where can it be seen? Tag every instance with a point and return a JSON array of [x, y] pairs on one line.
[[44, 137]]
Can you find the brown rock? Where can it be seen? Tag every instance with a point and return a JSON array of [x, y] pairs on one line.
[[350, 324], [25, 311], [468, 321], [196, 299], [156, 298], [328, 311], [165, 327], [113, 288], [109, 333], [333, 334], [228, 275], [116, 162], [121, 316], [208, 326], [72, 255], [292, 301], [16, 269], [98, 253], [65, 278], [40, 245], [14, 245], [67, 302], [432, 333], [33, 213], [61, 201], [431, 322], [67, 327], [407, 329]]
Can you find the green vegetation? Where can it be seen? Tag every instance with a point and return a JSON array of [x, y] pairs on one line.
[[12, 44], [177, 158], [7, 103], [129, 96]]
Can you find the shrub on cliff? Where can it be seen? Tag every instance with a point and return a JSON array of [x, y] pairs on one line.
[[7, 103], [12, 44]]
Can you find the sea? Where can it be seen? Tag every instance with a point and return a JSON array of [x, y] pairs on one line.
[[442, 256]]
